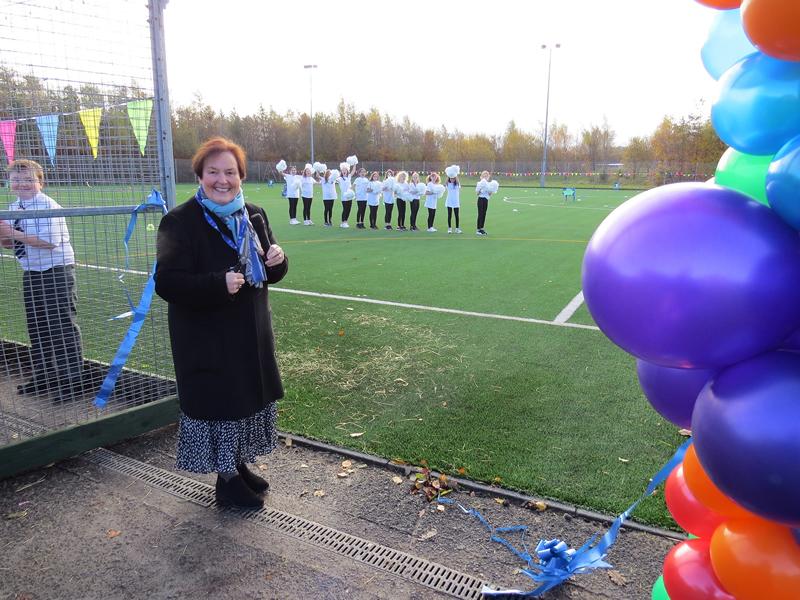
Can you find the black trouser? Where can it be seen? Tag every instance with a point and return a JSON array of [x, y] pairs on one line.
[[346, 206], [293, 208], [450, 211], [50, 300], [431, 216], [327, 213], [414, 211], [388, 213], [401, 213], [483, 206], [307, 208], [361, 208], [373, 216]]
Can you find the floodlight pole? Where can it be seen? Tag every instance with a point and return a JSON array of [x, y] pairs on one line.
[[546, 109], [311, 103]]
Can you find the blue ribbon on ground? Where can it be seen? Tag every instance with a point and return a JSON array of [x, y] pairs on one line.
[[139, 312], [553, 562]]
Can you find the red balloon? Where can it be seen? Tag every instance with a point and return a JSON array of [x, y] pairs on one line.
[[686, 509], [721, 4], [688, 574], [773, 26]]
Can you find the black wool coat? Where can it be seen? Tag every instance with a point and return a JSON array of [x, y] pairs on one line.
[[223, 346]]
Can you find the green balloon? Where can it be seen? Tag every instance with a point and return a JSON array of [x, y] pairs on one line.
[[659, 591], [746, 173]]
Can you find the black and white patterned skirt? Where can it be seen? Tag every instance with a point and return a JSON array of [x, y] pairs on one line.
[[219, 446]]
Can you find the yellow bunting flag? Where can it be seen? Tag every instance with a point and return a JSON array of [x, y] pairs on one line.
[[90, 117], [139, 112]]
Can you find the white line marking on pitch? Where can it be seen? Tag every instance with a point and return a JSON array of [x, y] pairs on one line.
[[508, 200], [569, 310], [451, 311]]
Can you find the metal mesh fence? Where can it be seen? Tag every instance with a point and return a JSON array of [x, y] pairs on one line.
[[77, 95]]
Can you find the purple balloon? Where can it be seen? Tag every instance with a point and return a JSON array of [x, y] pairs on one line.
[[672, 392], [746, 428], [792, 343], [693, 275]]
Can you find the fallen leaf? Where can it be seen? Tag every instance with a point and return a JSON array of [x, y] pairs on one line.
[[461, 471], [346, 464], [444, 404], [348, 308], [617, 577], [303, 493], [288, 442], [359, 434], [341, 475], [303, 466], [623, 460], [262, 467], [427, 535], [536, 505], [350, 471], [361, 466], [501, 501], [401, 381], [497, 480], [341, 333], [112, 533], [685, 432], [397, 480], [17, 515], [319, 493], [440, 507]]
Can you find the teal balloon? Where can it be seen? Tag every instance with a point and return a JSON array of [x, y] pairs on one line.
[[783, 183], [727, 43], [659, 590], [744, 173], [757, 109]]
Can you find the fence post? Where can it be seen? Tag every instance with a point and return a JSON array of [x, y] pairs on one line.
[[161, 89]]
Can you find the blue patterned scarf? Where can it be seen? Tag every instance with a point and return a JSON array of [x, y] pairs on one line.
[[245, 240]]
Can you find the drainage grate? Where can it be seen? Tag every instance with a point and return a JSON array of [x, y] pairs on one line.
[[409, 567]]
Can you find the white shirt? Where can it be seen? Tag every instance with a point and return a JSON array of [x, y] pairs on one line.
[[373, 193], [329, 189], [49, 229], [344, 182], [453, 196], [403, 192], [482, 189], [360, 185], [431, 199], [292, 185], [412, 187], [388, 190], [307, 186]]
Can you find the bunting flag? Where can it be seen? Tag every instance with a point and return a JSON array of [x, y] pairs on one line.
[[139, 112], [90, 117], [48, 127], [8, 133]]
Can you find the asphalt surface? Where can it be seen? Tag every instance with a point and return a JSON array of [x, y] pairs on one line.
[[79, 530]]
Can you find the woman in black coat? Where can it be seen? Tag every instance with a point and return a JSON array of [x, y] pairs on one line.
[[216, 257]]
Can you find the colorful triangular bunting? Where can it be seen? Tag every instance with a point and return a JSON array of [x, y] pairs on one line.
[[8, 133], [139, 112], [48, 127], [90, 117]]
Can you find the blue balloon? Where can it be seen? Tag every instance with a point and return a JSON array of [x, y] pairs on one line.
[[672, 392], [693, 275], [746, 428], [783, 183], [757, 109], [792, 343], [726, 44]]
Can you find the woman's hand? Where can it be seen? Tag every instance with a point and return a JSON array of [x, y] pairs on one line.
[[234, 281], [275, 255]]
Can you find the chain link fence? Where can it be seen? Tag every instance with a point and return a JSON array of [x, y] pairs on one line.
[[78, 95]]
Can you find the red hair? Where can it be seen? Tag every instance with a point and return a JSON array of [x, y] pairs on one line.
[[217, 145]]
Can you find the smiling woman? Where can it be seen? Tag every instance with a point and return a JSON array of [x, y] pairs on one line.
[[216, 255]]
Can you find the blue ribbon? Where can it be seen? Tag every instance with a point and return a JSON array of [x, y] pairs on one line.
[[139, 312], [553, 562]]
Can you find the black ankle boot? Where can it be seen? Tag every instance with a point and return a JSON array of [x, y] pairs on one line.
[[253, 481], [235, 492]]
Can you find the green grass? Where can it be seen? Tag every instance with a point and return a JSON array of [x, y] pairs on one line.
[[547, 410]]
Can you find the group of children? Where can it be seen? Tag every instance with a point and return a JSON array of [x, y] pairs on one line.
[[399, 189]]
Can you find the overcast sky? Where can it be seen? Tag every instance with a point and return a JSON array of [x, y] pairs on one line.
[[468, 65]]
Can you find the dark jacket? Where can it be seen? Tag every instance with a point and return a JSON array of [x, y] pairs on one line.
[[222, 344]]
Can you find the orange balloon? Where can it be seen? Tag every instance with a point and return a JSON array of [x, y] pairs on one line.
[[708, 494], [773, 26], [721, 4], [756, 560]]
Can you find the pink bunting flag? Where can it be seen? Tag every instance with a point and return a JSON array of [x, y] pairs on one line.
[[8, 133]]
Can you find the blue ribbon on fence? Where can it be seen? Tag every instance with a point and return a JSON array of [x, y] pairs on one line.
[[553, 562], [139, 312]]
